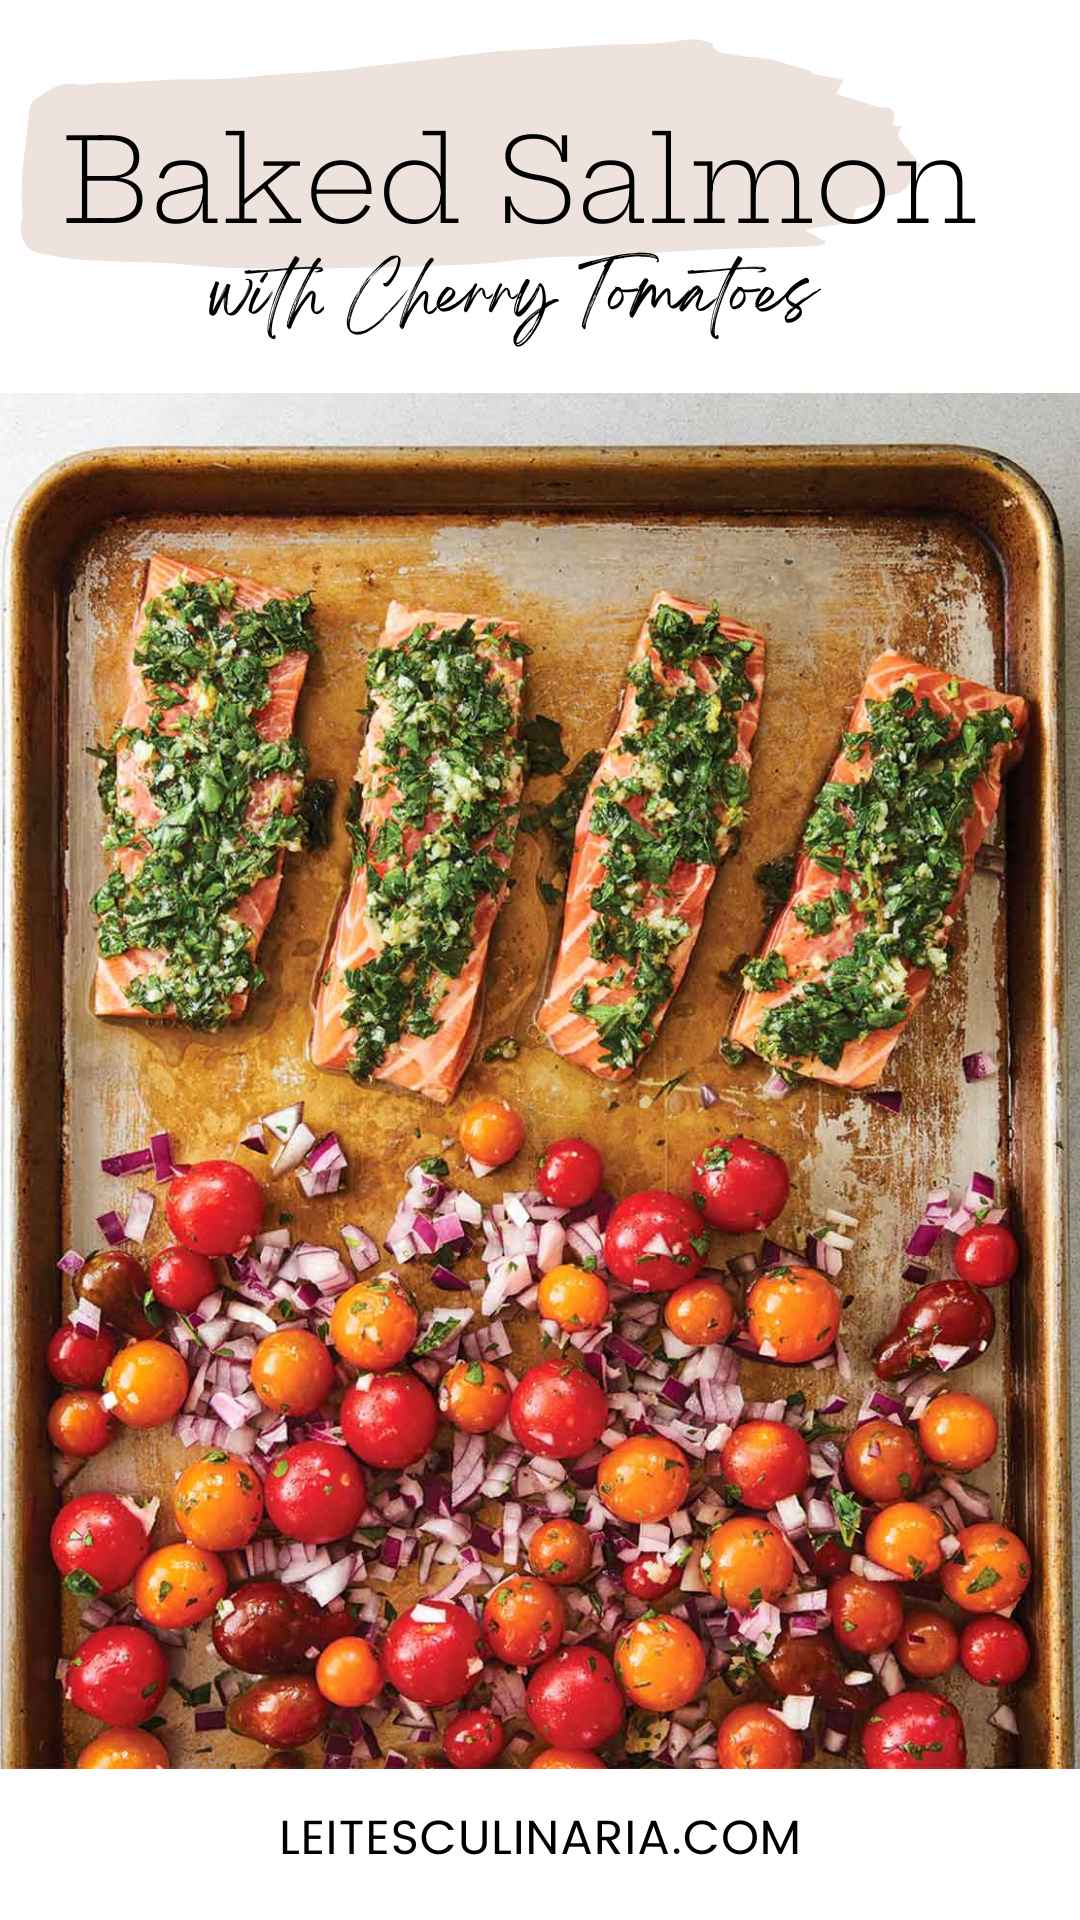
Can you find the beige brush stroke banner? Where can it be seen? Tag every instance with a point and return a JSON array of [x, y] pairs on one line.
[[606, 101]]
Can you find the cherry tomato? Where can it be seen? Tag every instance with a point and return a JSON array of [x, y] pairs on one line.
[[866, 1615], [150, 1383], [986, 1256], [218, 1502], [118, 1675], [282, 1713], [216, 1207], [654, 1241], [79, 1425], [524, 1620], [927, 1644], [649, 1577], [741, 1185], [660, 1662], [809, 1663], [123, 1747], [991, 1572], [946, 1312], [748, 1561], [431, 1653], [958, 1430], [97, 1543], [491, 1131], [643, 1478], [882, 1461], [700, 1313], [792, 1314], [265, 1627], [767, 1461], [315, 1492], [79, 1359], [994, 1652], [573, 1297], [914, 1730], [753, 1735], [906, 1538], [573, 1700], [569, 1173], [474, 1738], [374, 1325], [181, 1279], [348, 1673], [474, 1395], [292, 1372], [563, 1757], [178, 1586], [115, 1282], [561, 1552], [558, 1410], [829, 1556], [389, 1420]]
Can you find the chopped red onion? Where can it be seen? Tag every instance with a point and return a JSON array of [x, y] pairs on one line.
[[282, 1124], [979, 1066], [138, 1160], [140, 1214], [887, 1097], [112, 1227]]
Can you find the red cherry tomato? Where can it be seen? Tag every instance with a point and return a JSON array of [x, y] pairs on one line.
[[741, 1185], [558, 1410], [118, 1674], [431, 1653], [995, 1652], [987, 1256], [473, 1739], [573, 1700], [97, 1543], [315, 1492], [914, 1730], [215, 1207], [650, 1578], [79, 1359], [767, 1461], [654, 1241], [181, 1279], [390, 1421], [570, 1173]]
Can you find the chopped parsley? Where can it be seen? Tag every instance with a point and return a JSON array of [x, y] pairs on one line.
[[896, 836], [437, 828], [205, 665]]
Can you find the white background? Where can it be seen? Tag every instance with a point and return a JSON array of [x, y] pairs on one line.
[[910, 309]]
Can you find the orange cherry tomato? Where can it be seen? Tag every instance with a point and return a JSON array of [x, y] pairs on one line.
[[573, 1297], [123, 1747], [882, 1462], [524, 1620], [218, 1502], [765, 1461], [150, 1383], [700, 1313], [748, 1561], [792, 1314], [660, 1663], [79, 1425], [927, 1644], [958, 1430], [348, 1673], [491, 1131], [643, 1478], [906, 1538], [374, 1324], [992, 1571], [292, 1372], [474, 1395], [754, 1735], [560, 1551], [866, 1615], [565, 1757], [180, 1585]]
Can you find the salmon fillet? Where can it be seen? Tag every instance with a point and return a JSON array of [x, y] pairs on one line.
[[115, 973], [371, 948], [832, 915], [587, 973]]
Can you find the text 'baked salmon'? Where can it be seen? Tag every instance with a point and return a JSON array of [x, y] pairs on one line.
[[439, 782], [885, 863]]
